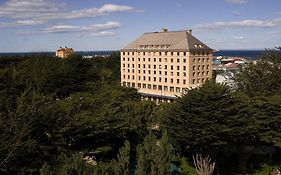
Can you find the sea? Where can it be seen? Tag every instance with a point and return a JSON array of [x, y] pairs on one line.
[[249, 54]]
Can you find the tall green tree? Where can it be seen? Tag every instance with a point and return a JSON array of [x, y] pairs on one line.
[[154, 156], [261, 77]]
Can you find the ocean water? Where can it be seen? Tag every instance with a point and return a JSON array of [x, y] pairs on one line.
[[250, 54]]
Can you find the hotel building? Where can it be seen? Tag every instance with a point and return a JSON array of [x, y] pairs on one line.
[[163, 65], [64, 52]]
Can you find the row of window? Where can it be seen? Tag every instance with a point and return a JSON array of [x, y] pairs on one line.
[[166, 53], [160, 79], [184, 68], [155, 87], [166, 59], [202, 73]]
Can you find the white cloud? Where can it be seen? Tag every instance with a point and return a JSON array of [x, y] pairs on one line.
[[239, 37], [96, 28], [237, 1], [236, 13], [240, 24], [104, 34], [46, 10]]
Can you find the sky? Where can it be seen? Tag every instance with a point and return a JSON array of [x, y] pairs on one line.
[[94, 25]]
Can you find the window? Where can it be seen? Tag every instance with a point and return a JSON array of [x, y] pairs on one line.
[[172, 60], [178, 60], [144, 71], [143, 85], [154, 66], [184, 67], [160, 66], [178, 53], [178, 67], [138, 65], [172, 80], [128, 59], [172, 67], [124, 59], [139, 78], [128, 84], [165, 88], [143, 59], [207, 66], [178, 81], [138, 59], [133, 84], [172, 73], [184, 74], [128, 70], [166, 53], [133, 59], [123, 53], [160, 72], [149, 78], [133, 65], [154, 79], [155, 87], [133, 77], [160, 79], [160, 87], [165, 59], [148, 71], [128, 76], [124, 83], [193, 67], [184, 53], [160, 53], [166, 67], [193, 82], [172, 89], [124, 65], [149, 59], [166, 80], [184, 60], [178, 89], [143, 78], [139, 71], [144, 66], [154, 59], [160, 59], [199, 67], [128, 65], [149, 86], [166, 73], [154, 72], [172, 53], [149, 66], [184, 81], [124, 76], [178, 73]]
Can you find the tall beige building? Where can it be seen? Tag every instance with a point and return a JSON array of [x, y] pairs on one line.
[[163, 65], [64, 52]]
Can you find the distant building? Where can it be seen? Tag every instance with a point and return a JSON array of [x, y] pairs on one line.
[[64, 52], [163, 65]]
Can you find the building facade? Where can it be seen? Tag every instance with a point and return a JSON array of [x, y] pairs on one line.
[[163, 65], [64, 52]]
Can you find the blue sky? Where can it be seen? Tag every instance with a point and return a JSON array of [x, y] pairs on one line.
[[45, 25]]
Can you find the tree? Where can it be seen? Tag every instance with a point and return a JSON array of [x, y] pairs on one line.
[[261, 77], [200, 120], [203, 165], [154, 156]]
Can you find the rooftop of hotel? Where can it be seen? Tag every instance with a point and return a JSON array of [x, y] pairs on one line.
[[169, 40]]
